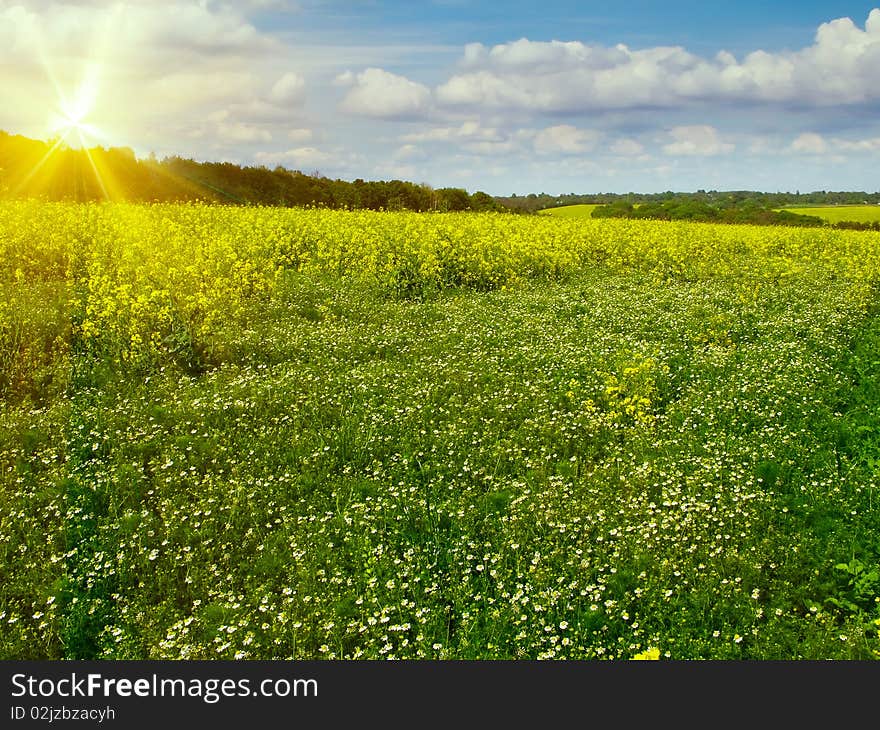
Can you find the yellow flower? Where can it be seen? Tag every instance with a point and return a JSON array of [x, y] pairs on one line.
[[652, 654]]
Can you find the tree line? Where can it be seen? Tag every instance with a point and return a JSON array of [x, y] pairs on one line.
[[52, 171], [720, 199], [749, 211]]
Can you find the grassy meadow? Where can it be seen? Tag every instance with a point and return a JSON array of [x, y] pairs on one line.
[[263, 433], [570, 211], [840, 213]]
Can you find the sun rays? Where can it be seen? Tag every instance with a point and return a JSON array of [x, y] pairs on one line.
[[77, 138], [71, 120]]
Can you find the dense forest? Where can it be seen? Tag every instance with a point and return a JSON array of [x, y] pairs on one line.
[[52, 171]]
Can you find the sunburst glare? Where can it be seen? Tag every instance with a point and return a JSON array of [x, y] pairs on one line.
[[70, 121]]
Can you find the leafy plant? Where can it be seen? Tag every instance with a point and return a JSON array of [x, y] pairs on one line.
[[858, 588]]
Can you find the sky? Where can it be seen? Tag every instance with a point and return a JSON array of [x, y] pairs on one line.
[[509, 98]]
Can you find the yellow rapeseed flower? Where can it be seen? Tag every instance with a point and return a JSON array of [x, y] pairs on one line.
[[651, 654]]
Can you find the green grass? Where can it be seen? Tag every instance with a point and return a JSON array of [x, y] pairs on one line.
[[839, 213], [574, 470], [571, 211], [627, 457]]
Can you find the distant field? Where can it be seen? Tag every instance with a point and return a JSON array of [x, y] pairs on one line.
[[571, 211], [837, 213]]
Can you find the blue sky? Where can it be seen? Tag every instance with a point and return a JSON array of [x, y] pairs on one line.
[[512, 97], [736, 26]]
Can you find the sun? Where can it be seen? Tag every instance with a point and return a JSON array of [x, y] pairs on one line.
[[76, 140], [70, 122], [71, 127], [76, 131]]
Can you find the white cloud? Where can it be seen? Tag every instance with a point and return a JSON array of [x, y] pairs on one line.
[[300, 158], [491, 149], [469, 130], [810, 143], [289, 89], [627, 147], [559, 141], [566, 139], [841, 67], [162, 32], [278, 6], [699, 140], [859, 145], [399, 172], [379, 93], [472, 137], [487, 89], [190, 90], [239, 132], [542, 58], [408, 152], [300, 135], [437, 134], [761, 145]]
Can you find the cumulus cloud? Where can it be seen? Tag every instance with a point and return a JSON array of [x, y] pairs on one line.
[[289, 89], [472, 137], [810, 143], [64, 28], [399, 172], [239, 132], [379, 93], [300, 135], [860, 145], [559, 141], [489, 89], [299, 158], [469, 130], [490, 149], [333, 160], [566, 139], [542, 58], [408, 152], [840, 67], [185, 91], [699, 140], [627, 147]]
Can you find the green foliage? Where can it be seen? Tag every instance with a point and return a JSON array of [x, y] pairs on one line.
[[721, 198], [858, 589], [689, 209]]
